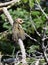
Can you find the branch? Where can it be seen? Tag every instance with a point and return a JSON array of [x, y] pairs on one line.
[[33, 24], [0, 58], [44, 46], [4, 34], [44, 38], [44, 51], [8, 15], [41, 9], [20, 42], [37, 62], [8, 3], [32, 38]]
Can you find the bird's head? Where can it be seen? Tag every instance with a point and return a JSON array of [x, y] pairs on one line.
[[19, 20]]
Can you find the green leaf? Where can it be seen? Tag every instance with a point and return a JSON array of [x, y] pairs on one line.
[[25, 1], [7, 25], [31, 3], [35, 13], [33, 48]]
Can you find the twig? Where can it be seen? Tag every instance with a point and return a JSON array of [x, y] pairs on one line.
[[41, 9], [37, 62], [33, 24], [43, 47], [32, 38], [44, 52], [45, 38], [4, 34], [13, 52]]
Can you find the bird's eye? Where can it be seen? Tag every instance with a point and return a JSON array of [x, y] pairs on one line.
[[20, 20]]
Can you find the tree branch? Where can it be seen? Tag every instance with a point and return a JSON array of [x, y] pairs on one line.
[[44, 52], [37, 62], [45, 38], [8, 15], [8, 3], [20, 42], [32, 38], [33, 24], [43, 47], [41, 9]]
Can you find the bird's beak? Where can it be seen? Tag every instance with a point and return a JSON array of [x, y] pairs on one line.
[[23, 22]]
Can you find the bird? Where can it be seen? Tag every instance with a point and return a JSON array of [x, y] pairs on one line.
[[17, 30]]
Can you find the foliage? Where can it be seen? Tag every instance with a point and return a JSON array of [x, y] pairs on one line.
[[33, 48], [22, 10]]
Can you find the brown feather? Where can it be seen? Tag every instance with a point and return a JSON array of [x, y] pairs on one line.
[[17, 32]]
